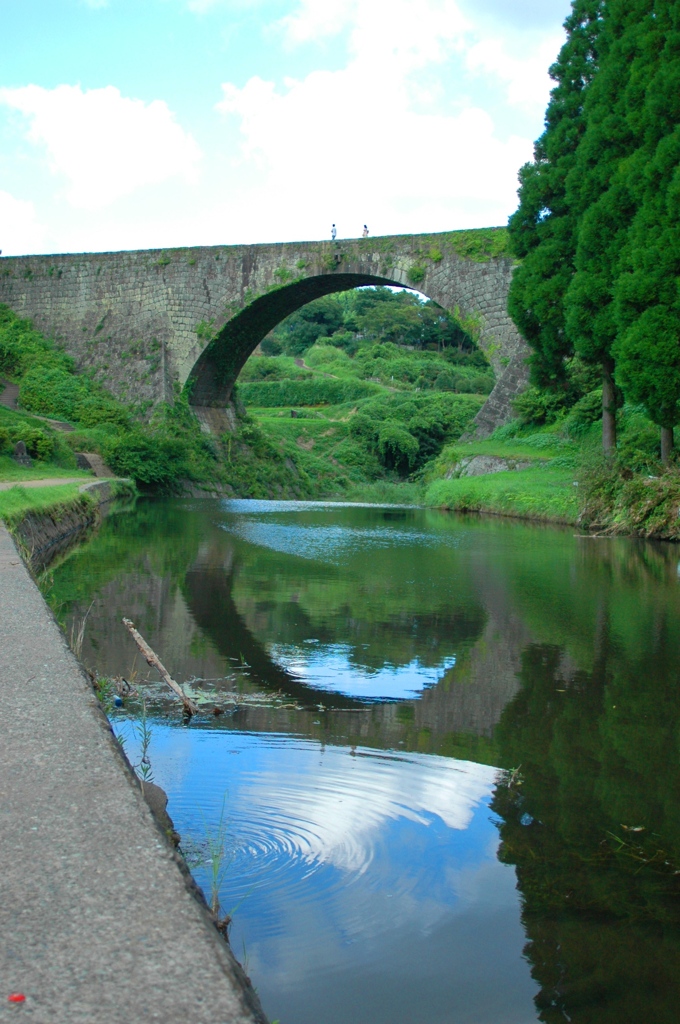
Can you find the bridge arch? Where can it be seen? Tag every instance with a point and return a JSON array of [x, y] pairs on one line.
[[212, 378]]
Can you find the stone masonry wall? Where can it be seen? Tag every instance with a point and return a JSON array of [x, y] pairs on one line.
[[142, 320]]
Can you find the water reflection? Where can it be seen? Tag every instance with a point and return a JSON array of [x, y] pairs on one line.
[[369, 883], [460, 644]]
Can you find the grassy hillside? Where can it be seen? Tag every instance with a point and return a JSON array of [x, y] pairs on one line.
[[366, 388], [564, 477]]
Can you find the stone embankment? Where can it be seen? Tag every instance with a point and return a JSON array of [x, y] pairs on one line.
[[482, 465], [99, 918], [42, 534]]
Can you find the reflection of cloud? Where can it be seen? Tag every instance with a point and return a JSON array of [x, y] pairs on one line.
[[368, 873], [328, 666], [338, 807]]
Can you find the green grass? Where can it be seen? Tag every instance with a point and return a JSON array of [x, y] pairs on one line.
[[10, 470], [386, 492], [480, 244], [541, 493], [535, 447], [18, 500]]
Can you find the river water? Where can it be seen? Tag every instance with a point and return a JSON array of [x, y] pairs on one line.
[[443, 785]]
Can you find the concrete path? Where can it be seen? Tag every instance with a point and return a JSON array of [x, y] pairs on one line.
[[97, 921]]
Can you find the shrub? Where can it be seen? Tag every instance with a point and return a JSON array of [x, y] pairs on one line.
[[153, 459], [357, 456], [270, 346], [92, 411], [363, 428], [9, 358], [344, 340], [537, 407], [447, 380], [51, 391], [586, 411], [398, 449], [317, 391], [39, 444], [261, 368]]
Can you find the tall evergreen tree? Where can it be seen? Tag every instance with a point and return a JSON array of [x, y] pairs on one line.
[[543, 229], [647, 292], [597, 189]]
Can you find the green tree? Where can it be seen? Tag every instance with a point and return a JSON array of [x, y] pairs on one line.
[[647, 302], [543, 229], [318, 319], [598, 190]]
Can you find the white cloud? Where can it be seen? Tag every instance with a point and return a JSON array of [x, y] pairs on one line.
[[379, 140], [381, 29], [526, 75], [324, 144], [20, 231], [104, 144]]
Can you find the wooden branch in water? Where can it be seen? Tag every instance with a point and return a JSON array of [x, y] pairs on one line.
[[153, 660]]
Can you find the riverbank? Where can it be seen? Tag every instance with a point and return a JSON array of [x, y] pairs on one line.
[[101, 921], [549, 475], [45, 516], [600, 501]]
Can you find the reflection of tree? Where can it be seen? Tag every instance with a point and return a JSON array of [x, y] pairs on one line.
[[599, 760]]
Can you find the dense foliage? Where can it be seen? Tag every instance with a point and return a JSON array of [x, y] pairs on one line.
[[395, 380], [543, 229], [160, 454], [596, 223], [409, 395], [647, 304], [347, 319]]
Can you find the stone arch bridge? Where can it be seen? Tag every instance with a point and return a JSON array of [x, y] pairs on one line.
[[147, 321]]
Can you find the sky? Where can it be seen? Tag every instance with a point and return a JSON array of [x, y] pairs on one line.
[[163, 123]]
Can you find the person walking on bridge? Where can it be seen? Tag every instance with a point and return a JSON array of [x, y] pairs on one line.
[[364, 233], [334, 233]]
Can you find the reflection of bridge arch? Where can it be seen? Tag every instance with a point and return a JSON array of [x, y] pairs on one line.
[[147, 320]]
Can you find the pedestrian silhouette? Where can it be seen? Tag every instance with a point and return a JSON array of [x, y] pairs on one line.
[[364, 233], [334, 233]]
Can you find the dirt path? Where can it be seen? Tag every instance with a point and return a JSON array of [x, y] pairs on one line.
[[5, 485]]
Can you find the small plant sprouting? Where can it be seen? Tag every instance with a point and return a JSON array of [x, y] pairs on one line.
[[78, 633], [143, 730], [205, 330], [216, 843], [104, 688]]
